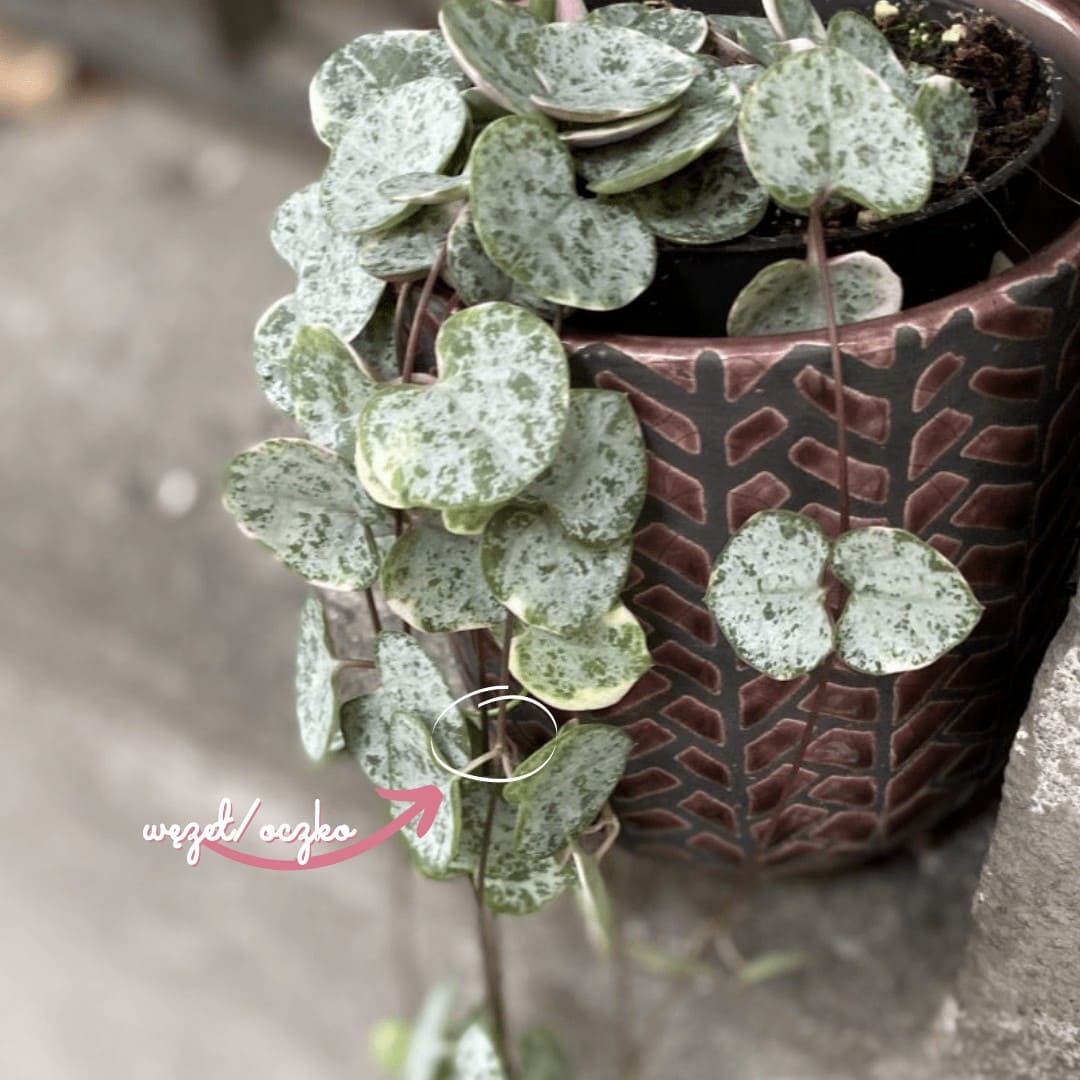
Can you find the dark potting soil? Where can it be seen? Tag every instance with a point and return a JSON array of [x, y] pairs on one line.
[[999, 68]]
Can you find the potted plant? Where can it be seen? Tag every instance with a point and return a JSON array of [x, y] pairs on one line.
[[785, 587]]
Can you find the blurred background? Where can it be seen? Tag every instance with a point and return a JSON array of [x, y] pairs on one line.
[[146, 648]]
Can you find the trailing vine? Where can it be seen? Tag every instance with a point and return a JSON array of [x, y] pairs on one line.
[[521, 163]]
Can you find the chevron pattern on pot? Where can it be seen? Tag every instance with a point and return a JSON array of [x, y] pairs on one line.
[[965, 429]]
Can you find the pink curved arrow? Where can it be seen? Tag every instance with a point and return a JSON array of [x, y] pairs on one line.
[[425, 800]]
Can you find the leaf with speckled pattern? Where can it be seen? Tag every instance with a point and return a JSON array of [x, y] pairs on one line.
[[275, 335], [820, 122], [908, 606], [393, 748], [593, 669], [317, 701], [794, 19], [947, 112], [376, 62], [409, 249], [328, 389], [514, 883], [683, 29], [786, 296], [767, 597], [596, 485], [569, 250], [545, 577], [475, 1056], [709, 110], [856, 34], [305, 505], [485, 430], [593, 135], [477, 279], [489, 39], [568, 793], [715, 199], [412, 128], [333, 287], [375, 346], [753, 35], [432, 579], [424, 189], [594, 72]]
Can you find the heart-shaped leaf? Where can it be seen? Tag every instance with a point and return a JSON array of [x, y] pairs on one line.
[[596, 484], [515, 883], [593, 135], [412, 682], [908, 607], [767, 597], [489, 40], [431, 578], [546, 578], [683, 29], [947, 112], [328, 389], [715, 199], [592, 72], [485, 430], [424, 189], [709, 109], [376, 62], [409, 249], [475, 1056], [569, 250], [786, 296], [566, 795], [476, 279], [820, 123], [394, 750], [333, 288], [753, 35], [591, 670], [856, 34], [794, 19], [275, 335], [412, 128], [305, 505], [317, 701]]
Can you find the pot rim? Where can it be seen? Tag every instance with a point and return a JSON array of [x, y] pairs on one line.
[[1064, 250]]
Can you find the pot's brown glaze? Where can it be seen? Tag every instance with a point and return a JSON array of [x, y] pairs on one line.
[[965, 428]]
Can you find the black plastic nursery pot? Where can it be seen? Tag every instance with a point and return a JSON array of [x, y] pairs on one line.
[[963, 417]]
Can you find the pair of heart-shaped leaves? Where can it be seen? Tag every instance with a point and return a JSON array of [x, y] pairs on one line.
[[787, 296], [389, 733], [305, 505], [907, 604], [484, 431], [590, 71]]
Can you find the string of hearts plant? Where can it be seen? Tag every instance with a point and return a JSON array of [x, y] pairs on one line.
[[522, 162]]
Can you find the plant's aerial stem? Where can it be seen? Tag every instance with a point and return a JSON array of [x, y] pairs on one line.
[[818, 255], [400, 310], [408, 365], [373, 611]]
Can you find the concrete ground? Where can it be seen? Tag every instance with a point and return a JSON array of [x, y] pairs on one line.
[[146, 657]]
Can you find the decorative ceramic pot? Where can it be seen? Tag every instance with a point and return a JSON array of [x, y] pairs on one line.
[[964, 420]]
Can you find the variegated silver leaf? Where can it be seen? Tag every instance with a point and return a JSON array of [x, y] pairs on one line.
[[679, 27], [947, 112], [317, 700]]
